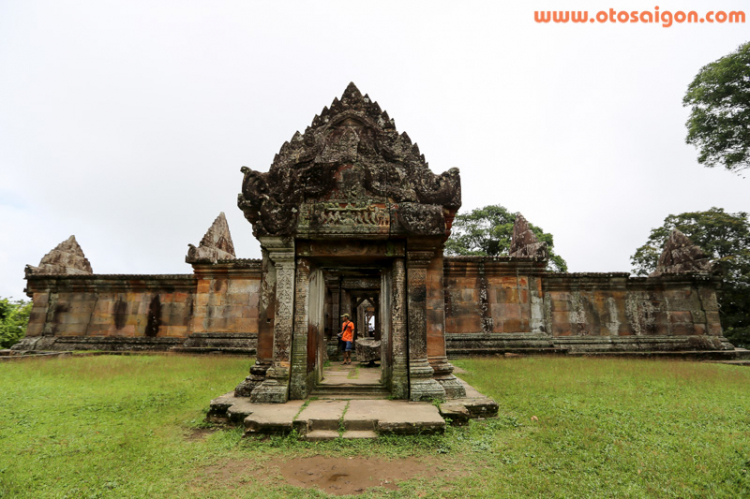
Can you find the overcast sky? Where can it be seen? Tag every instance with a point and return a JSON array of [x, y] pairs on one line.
[[126, 122]]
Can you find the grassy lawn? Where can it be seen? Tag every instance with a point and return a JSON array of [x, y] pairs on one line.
[[568, 427]]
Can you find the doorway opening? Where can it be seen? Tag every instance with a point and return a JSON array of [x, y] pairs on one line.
[[358, 292]]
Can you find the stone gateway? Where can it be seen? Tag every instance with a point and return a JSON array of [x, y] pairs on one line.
[[351, 219]]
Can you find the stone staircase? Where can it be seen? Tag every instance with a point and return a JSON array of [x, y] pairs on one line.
[[318, 420], [350, 412]]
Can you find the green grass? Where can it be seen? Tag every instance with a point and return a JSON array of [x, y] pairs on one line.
[[568, 427]]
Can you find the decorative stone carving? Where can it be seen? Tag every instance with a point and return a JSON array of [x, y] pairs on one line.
[[67, 258], [524, 243], [421, 219], [216, 244], [400, 375], [350, 164], [681, 256], [275, 388]]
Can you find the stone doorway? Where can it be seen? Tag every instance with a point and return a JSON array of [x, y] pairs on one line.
[[356, 290]]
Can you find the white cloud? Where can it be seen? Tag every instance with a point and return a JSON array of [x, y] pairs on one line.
[[126, 123]]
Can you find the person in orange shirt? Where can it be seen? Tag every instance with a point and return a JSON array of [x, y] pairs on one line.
[[347, 336]]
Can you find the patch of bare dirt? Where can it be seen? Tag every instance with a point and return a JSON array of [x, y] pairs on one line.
[[336, 476], [198, 434]]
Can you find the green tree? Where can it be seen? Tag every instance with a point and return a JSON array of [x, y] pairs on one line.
[[14, 317], [719, 123], [487, 231], [725, 236]]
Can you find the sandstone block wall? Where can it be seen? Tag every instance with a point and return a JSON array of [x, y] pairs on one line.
[[226, 303], [492, 305], [124, 306], [501, 304], [214, 309], [109, 311]]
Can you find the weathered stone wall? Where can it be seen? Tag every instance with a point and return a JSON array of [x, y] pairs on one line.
[[504, 304], [214, 309], [492, 305], [226, 298], [109, 311]]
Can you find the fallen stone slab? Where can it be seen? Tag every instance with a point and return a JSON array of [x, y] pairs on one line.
[[474, 406]]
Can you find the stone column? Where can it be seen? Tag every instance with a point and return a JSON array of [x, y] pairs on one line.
[[400, 371], [361, 320], [421, 383], [436, 351], [298, 386], [334, 284], [275, 388], [266, 305], [346, 307], [376, 314]]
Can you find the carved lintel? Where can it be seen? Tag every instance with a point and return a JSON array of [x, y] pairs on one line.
[[360, 283]]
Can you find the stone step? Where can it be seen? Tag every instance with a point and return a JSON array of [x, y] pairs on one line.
[[705, 355], [353, 434], [459, 352], [350, 389], [352, 396], [320, 415], [214, 350], [321, 435]]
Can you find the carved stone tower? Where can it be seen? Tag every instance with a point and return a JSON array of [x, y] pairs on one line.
[[347, 209]]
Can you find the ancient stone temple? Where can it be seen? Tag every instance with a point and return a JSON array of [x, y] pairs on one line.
[[351, 219]]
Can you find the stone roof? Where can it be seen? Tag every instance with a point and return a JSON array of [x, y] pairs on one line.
[[65, 259], [216, 244], [354, 163]]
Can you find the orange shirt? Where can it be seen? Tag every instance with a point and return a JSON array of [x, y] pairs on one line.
[[347, 331]]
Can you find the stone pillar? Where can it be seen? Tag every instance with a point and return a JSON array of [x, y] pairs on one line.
[[275, 388], [298, 386], [422, 386], [400, 369], [361, 320], [436, 351], [376, 320], [334, 285], [346, 307], [266, 305]]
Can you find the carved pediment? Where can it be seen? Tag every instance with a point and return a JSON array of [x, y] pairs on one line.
[[216, 244], [66, 258], [351, 167], [681, 256]]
